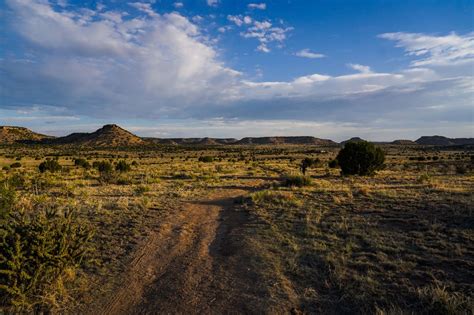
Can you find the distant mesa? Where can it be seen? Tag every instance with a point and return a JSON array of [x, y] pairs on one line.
[[286, 140], [12, 134], [403, 142], [444, 141], [353, 139]]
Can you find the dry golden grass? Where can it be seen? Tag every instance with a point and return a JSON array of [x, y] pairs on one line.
[[400, 241]]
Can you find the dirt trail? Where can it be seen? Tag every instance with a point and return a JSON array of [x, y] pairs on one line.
[[189, 266]]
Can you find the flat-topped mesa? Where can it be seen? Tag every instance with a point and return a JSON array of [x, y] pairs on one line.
[[440, 140]]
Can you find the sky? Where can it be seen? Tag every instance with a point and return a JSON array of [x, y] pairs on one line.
[[377, 69]]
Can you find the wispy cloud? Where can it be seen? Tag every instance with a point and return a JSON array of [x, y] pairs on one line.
[[261, 6], [306, 53], [435, 50]]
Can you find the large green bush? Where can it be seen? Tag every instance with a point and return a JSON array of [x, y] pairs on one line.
[[36, 248], [361, 158]]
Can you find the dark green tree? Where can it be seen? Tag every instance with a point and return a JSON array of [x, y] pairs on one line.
[[361, 158]]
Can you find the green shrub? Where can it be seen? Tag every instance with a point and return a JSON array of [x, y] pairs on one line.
[[141, 189], [333, 163], [122, 166], [49, 165], [296, 181], [15, 165], [82, 163], [35, 251], [307, 163], [361, 158], [103, 166], [7, 199], [106, 174], [206, 159]]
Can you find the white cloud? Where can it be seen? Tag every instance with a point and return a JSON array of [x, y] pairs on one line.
[[237, 20], [360, 68], [144, 7], [212, 3], [266, 33], [306, 53], [435, 50], [178, 5], [261, 6], [105, 63]]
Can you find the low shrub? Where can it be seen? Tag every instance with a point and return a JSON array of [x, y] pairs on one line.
[[141, 189], [49, 165], [82, 163], [206, 159], [296, 181], [15, 165], [333, 163], [122, 166]]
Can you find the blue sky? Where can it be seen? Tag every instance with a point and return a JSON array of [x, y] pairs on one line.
[[335, 69]]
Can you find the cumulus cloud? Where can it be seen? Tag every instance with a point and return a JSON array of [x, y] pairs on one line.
[[261, 6], [109, 63], [306, 53]]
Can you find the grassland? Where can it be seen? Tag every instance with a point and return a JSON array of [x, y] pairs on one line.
[[400, 241]]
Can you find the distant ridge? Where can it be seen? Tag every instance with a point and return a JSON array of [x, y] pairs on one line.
[[286, 140], [403, 142], [443, 141], [114, 136], [13, 134]]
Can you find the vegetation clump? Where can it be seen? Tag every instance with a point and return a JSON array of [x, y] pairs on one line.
[[360, 158], [307, 163], [82, 163], [122, 166], [296, 181], [15, 165], [37, 248], [206, 159], [333, 163], [49, 165]]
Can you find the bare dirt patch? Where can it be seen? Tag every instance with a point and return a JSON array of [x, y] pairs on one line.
[[191, 264]]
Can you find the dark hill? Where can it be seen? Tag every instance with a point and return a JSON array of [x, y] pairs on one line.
[[107, 136], [442, 141], [10, 134]]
